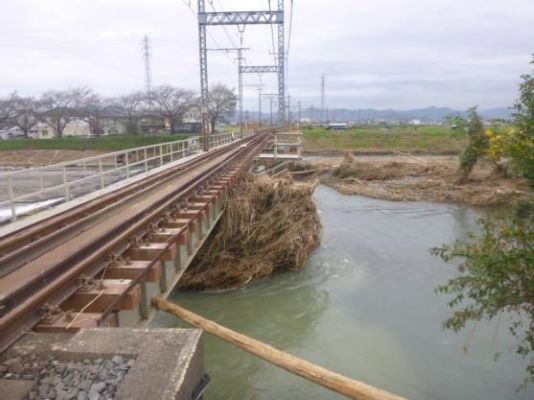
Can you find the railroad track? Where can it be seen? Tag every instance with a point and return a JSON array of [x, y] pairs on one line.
[[102, 260]]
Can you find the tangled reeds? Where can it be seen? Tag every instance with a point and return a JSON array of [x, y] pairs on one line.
[[269, 225]]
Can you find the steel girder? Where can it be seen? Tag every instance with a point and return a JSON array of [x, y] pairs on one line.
[[241, 18], [258, 69]]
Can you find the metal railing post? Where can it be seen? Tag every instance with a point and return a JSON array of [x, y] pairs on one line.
[[11, 199], [101, 172], [67, 191], [161, 154], [127, 162], [146, 161]]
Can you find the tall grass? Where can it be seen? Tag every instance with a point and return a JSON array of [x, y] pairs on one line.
[[431, 139]]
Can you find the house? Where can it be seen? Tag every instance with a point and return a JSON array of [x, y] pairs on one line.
[[153, 124], [337, 126], [77, 128], [113, 125], [11, 133]]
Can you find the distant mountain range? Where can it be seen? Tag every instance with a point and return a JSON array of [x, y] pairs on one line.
[[425, 115]]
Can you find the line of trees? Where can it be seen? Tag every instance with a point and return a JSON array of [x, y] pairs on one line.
[[58, 108]]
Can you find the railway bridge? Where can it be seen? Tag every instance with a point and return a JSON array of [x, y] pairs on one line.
[[125, 227]]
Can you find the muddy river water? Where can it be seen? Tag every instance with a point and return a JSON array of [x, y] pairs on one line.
[[365, 306]]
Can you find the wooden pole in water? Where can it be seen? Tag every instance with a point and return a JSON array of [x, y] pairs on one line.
[[331, 380]]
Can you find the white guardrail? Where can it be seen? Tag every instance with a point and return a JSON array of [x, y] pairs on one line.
[[57, 183]]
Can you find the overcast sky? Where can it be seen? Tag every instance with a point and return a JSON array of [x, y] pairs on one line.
[[381, 53]]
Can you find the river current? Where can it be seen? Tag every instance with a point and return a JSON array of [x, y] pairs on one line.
[[365, 307]]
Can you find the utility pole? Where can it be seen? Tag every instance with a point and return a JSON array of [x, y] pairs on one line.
[[259, 106], [270, 95], [146, 51], [203, 54], [323, 121], [298, 120], [281, 66], [240, 86], [271, 111], [289, 109], [241, 19], [258, 87]]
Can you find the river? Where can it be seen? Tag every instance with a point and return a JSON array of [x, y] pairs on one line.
[[365, 307]]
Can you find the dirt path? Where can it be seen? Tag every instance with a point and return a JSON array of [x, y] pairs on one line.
[[30, 158], [409, 177]]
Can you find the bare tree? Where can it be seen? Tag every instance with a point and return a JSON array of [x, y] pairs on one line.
[[221, 100], [130, 106], [93, 109], [63, 107], [26, 113], [7, 110], [171, 103]]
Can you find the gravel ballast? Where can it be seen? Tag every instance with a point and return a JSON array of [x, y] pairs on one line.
[[88, 379]]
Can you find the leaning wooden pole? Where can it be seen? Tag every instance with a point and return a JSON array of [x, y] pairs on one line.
[[331, 380]]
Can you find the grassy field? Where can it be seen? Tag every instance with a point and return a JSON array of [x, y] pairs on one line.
[[103, 143], [377, 139]]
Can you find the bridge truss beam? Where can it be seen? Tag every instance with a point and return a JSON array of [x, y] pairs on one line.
[[239, 18]]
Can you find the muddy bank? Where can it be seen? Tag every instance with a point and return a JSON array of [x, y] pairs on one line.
[[409, 177], [378, 152], [270, 225], [31, 158]]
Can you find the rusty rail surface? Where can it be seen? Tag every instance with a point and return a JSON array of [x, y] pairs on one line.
[[45, 282], [17, 247]]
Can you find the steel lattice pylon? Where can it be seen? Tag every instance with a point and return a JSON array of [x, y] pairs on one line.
[[240, 18]]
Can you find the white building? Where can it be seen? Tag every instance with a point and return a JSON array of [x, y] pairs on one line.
[[11, 133], [77, 128]]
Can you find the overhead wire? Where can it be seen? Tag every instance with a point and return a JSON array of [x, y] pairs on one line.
[[272, 35], [223, 26], [215, 42], [290, 29]]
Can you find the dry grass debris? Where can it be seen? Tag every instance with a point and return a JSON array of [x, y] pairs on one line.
[[420, 178], [269, 225]]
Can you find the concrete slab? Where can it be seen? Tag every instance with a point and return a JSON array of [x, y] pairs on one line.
[[15, 389], [168, 362]]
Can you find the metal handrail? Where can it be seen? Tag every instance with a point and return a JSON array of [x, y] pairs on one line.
[[162, 153]]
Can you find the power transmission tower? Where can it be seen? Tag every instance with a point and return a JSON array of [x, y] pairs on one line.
[[323, 122], [239, 18], [146, 51]]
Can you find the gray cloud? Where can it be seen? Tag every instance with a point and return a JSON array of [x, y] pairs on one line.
[[385, 53]]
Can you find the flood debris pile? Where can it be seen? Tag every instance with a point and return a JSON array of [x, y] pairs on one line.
[[350, 167], [407, 177], [269, 225]]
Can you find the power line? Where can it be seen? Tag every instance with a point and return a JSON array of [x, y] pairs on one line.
[[290, 26], [224, 27], [215, 42], [272, 35]]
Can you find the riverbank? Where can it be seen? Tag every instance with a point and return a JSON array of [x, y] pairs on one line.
[[35, 152], [415, 178]]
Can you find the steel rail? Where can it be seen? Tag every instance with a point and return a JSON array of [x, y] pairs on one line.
[[19, 285], [26, 313], [19, 244]]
